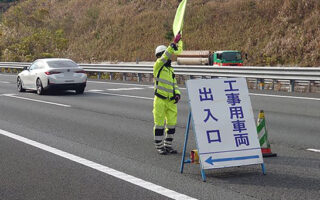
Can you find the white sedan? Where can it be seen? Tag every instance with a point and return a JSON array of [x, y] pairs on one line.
[[52, 74]]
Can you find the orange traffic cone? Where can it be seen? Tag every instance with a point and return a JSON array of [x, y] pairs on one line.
[[263, 136]]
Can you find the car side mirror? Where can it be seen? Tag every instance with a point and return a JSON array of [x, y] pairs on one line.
[[25, 68]]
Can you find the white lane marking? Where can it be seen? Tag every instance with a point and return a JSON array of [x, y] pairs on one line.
[[148, 98], [289, 97], [104, 169], [131, 84], [253, 94], [314, 150], [35, 100], [7, 75], [4, 82], [124, 89], [148, 86], [122, 95], [95, 90]]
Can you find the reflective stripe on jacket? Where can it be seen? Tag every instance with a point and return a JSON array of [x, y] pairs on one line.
[[165, 81]]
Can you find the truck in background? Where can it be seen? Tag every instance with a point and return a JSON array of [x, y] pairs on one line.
[[217, 58]]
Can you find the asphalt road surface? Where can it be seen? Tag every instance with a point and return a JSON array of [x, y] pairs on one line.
[[99, 145]]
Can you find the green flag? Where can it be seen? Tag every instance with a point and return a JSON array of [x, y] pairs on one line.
[[178, 19]]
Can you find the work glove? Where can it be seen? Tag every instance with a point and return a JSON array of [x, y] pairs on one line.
[[177, 38], [174, 46], [176, 98]]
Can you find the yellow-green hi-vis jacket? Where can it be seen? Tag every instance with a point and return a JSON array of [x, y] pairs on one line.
[[165, 82]]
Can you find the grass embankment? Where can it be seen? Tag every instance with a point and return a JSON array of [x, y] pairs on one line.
[[281, 32]]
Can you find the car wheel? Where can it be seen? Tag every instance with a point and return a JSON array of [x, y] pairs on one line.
[[19, 85], [80, 90], [40, 90]]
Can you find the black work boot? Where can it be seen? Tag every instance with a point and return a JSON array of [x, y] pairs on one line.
[[162, 151], [170, 150]]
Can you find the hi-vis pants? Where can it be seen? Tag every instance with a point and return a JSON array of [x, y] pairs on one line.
[[164, 110]]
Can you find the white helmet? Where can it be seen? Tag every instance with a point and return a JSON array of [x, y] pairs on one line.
[[160, 49]]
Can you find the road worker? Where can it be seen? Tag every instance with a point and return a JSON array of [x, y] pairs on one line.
[[167, 95]]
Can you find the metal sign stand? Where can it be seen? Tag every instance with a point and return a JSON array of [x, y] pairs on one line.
[[183, 161]]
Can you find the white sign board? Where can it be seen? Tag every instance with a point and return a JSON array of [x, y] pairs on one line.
[[223, 122]]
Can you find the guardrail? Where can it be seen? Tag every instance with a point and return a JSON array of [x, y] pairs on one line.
[[289, 74]]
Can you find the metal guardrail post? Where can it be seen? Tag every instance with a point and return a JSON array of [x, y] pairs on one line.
[[98, 75], [261, 83], [124, 76], [311, 83], [139, 77], [111, 76], [273, 83], [291, 88]]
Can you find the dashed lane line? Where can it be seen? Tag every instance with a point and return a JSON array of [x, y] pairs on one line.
[[314, 150], [7, 75], [6, 82], [128, 84], [112, 83], [252, 94], [104, 169], [35, 100], [125, 89], [149, 86], [182, 88], [120, 95], [289, 97], [95, 90]]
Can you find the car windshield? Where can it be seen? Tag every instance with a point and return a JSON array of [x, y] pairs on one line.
[[61, 64], [231, 56]]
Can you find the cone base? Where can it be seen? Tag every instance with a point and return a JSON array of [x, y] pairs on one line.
[[269, 155], [266, 152]]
